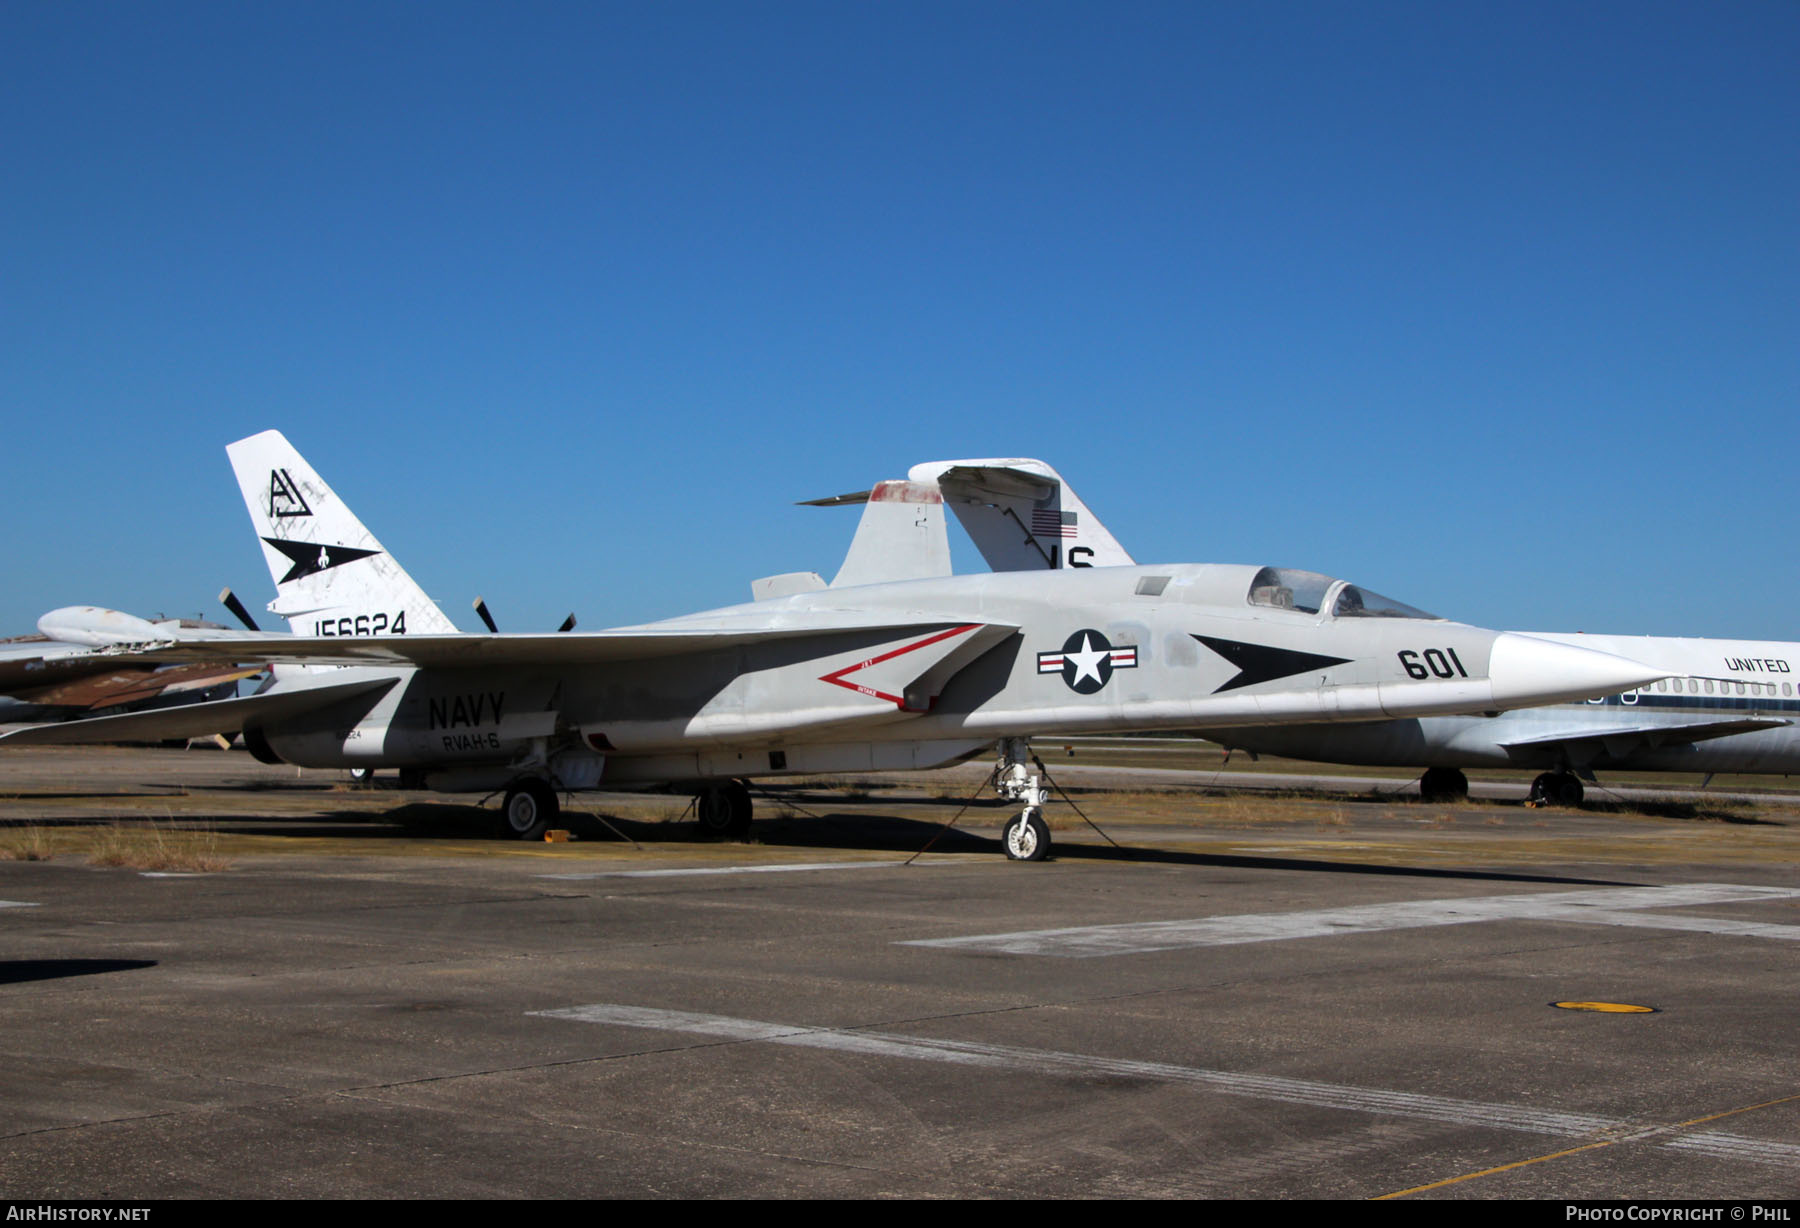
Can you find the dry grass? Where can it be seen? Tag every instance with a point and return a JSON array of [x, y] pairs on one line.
[[957, 792], [27, 844], [658, 809], [852, 788], [1237, 812], [157, 846]]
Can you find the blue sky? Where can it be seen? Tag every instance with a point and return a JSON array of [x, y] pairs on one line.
[[1491, 307]]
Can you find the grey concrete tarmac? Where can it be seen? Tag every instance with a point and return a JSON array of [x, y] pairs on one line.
[[377, 1000]]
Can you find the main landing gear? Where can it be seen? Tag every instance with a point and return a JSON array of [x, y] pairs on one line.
[[1443, 784], [724, 810], [1025, 836], [530, 808], [1557, 789]]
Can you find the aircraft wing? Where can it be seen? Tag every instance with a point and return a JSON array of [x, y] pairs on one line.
[[195, 720], [1621, 739], [56, 673], [129, 684], [876, 672], [550, 649]]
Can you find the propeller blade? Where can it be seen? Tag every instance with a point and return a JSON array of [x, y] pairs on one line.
[[229, 600]]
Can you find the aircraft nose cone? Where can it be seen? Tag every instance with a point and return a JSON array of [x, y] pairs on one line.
[[1526, 670]]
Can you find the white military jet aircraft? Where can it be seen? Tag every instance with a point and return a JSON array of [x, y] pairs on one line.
[[873, 676], [1726, 705]]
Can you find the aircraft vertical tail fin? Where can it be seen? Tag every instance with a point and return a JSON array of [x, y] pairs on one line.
[[1021, 515], [331, 576], [901, 536]]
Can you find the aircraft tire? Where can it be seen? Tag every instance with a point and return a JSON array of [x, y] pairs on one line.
[[362, 776], [1026, 838], [1558, 789], [725, 810], [529, 809], [1442, 784]]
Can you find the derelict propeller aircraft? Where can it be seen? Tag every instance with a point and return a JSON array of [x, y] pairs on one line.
[[55, 675], [853, 677]]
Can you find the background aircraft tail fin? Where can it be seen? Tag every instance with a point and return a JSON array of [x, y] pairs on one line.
[[331, 576], [1021, 515]]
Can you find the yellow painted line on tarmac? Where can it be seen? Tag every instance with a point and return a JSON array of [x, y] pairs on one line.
[[1634, 1136]]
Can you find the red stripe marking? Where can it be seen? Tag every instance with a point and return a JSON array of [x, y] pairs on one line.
[[836, 677]]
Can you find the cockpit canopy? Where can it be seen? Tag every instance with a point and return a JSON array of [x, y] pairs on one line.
[[1308, 592]]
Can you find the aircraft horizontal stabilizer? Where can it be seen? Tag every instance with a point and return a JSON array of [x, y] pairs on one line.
[[1021, 515], [195, 720]]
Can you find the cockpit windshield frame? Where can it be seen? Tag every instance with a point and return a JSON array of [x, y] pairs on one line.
[[1309, 592]]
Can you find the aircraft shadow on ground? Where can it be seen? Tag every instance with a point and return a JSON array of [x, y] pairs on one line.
[[1700, 812], [841, 831], [18, 971], [461, 821], [274, 786], [909, 836], [844, 831], [84, 795], [1094, 852]]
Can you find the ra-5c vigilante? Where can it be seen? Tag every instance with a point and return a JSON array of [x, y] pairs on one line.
[[1723, 706], [852, 677]]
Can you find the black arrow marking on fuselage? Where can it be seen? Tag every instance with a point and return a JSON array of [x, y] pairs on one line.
[[1261, 663], [309, 558]]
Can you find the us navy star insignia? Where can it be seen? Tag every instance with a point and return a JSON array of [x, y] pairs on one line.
[[1087, 661]]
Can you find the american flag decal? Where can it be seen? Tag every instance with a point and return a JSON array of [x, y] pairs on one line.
[[1048, 522]]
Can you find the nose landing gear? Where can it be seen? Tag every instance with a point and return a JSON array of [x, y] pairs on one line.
[[1025, 837]]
